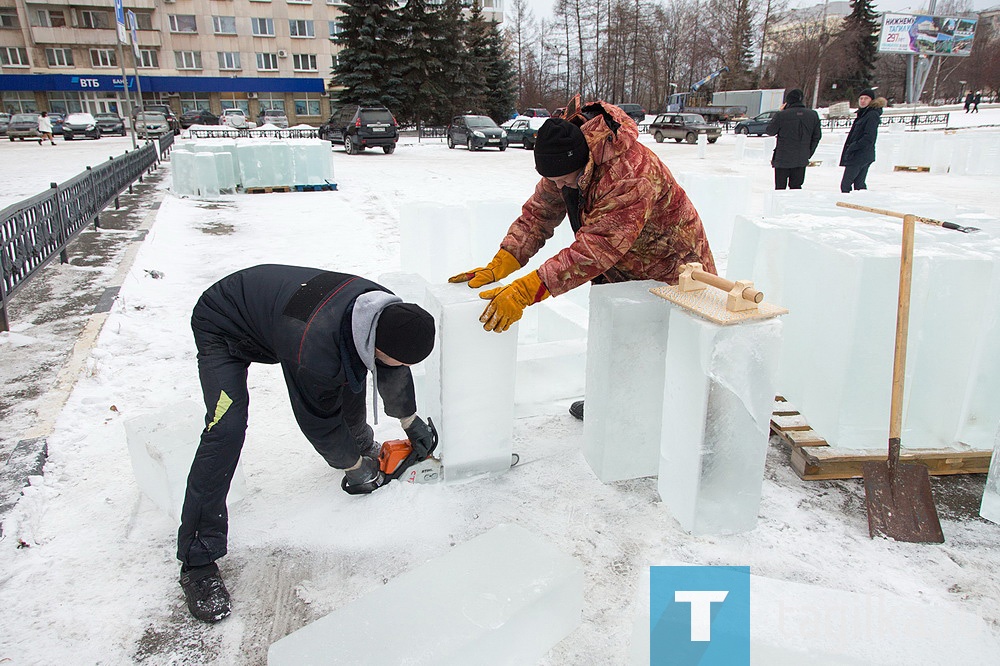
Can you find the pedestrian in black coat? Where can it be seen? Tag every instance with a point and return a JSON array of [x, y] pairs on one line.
[[327, 331], [968, 101], [859, 148], [976, 100], [798, 132]]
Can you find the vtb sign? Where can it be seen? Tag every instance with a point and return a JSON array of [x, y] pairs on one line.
[[699, 616]]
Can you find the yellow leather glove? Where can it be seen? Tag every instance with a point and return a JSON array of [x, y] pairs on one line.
[[508, 303], [502, 265]]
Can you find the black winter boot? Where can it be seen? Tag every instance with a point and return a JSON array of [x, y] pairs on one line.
[[576, 409], [207, 597]]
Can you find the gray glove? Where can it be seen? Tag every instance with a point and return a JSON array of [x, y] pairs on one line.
[[422, 438]]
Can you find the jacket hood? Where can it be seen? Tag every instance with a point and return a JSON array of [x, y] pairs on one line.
[[364, 319], [876, 104], [610, 132]]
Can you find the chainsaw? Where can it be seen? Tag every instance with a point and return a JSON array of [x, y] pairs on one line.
[[398, 461]]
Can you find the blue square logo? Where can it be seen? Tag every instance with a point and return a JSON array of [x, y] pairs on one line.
[[699, 616]]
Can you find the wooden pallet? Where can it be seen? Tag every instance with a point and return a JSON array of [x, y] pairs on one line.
[[813, 459], [315, 188], [914, 169], [267, 190], [815, 163]]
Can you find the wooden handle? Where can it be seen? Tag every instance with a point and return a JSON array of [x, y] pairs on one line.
[[749, 293], [902, 328], [892, 213]]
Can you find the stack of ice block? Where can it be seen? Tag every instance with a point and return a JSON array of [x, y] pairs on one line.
[[505, 597], [627, 341], [469, 385], [718, 200], [162, 445], [990, 507], [716, 406]]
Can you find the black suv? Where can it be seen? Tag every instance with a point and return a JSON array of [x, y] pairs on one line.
[[634, 111], [360, 127], [476, 132]]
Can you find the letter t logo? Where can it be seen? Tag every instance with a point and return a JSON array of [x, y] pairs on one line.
[[701, 610]]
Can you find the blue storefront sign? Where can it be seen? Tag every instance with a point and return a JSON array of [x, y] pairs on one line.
[[167, 84]]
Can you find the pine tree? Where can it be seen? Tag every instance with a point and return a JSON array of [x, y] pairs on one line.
[[368, 71], [858, 48], [477, 56], [423, 92], [501, 75], [465, 81]]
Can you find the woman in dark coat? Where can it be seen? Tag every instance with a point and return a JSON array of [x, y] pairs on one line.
[[859, 149], [798, 132]]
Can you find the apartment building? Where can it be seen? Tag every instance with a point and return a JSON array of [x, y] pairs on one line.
[[63, 55]]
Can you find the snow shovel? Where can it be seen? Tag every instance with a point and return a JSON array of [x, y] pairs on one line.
[[925, 220], [898, 497]]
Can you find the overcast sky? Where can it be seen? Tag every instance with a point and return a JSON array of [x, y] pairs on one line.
[[543, 8]]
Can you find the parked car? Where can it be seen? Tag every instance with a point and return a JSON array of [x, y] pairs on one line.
[[198, 117], [165, 111], [4, 122], [634, 111], [150, 125], [756, 125], [560, 112], [536, 113], [23, 126], [476, 132], [683, 127], [360, 127], [523, 131], [274, 117], [236, 118], [110, 123], [57, 122], [80, 125]]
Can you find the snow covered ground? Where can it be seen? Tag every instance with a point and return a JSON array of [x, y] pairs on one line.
[[88, 569]]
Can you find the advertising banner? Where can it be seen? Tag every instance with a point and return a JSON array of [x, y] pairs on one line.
[[926, 35]]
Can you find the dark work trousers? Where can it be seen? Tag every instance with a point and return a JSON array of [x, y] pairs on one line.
[[202, 536], [854, 175], [792, 178]]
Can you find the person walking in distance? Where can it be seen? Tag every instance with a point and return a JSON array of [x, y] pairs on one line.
[[976, 100], [798, 132], [968, 101], [859, 148], [45, 128]]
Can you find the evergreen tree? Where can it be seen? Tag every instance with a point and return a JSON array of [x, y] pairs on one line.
[[858, 48], [368, 71], [464, 82], [424, 93], [478, 58], [501, 75]]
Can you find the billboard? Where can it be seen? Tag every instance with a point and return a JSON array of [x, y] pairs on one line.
[[926, 35]]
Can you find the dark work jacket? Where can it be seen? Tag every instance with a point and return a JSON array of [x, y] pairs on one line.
[[301, 318], [859, 148], [798, 132]]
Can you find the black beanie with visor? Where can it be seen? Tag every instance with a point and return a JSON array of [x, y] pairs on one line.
[[560, 148]]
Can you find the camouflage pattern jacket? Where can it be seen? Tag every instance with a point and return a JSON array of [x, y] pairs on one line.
[[634, 220]]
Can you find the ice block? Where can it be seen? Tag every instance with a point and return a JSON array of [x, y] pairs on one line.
[[206, 175], [505, 597], [162, 445], [627, 340], [717, 402], [434, 241], [470, 385], [990, 507]]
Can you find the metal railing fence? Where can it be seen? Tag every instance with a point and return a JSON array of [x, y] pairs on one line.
[[910, 120], [35, 230], [245, 133]]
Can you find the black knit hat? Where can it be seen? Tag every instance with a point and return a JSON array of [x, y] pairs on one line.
[[405, 332], [868, 92], [794, 96], [560, 148]]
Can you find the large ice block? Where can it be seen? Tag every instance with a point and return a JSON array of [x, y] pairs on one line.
[[162, 445], [718, 200], [505, 597], [434, 240], [206, 175], [627, 341], [717, 401], [470, 385], [990, 507]]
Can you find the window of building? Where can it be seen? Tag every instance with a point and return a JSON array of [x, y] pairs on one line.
[[50, 18], [268, 102], [336, 27], [304, 62], [183, 23], [17, 102], [234, 103], [8, 18], [195, 101], [224, 25], [299, 2], [187, 59], [149, 59], [307, 107], [229, 60], [65, 102], [13, 56], [94, 20], [143, 20], [262, 27], [59, 57], [300, 28], [336, 60], [103, 58], [267, 62]]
